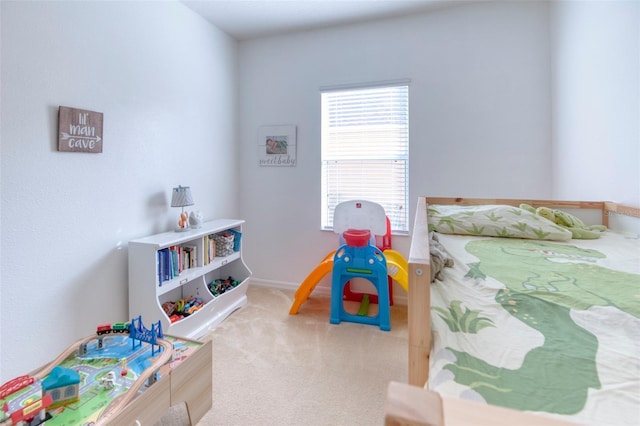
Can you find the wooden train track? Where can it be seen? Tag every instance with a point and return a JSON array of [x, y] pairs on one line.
[[119, 403]]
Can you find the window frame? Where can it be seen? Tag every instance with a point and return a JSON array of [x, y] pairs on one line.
[[400, 226]]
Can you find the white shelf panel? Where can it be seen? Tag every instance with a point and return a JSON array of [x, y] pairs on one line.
[[172, 238], [191, 274]]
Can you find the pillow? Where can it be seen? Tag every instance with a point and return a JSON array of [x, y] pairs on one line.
[[493, 221]]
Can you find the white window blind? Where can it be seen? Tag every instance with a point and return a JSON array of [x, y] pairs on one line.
[[365, 150]]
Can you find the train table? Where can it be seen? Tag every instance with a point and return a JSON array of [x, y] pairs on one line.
[[113, 379]]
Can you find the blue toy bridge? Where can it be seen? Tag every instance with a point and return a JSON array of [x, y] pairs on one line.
[[139, 333]]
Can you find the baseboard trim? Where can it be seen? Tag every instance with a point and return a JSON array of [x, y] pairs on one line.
[[283, 285], [399, 295]]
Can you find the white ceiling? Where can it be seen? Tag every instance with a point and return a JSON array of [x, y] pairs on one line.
[[246, 19]]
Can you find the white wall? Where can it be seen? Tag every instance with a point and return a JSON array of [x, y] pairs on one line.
[[165, 81], [1, 174], [479, 117], [596, 100]]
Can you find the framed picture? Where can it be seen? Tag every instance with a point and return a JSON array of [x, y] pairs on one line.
[[277, 146], [79, 130]]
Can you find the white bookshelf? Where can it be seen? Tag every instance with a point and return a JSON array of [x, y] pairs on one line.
[[148, 290]]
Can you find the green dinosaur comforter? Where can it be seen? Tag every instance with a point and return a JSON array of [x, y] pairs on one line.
[[541, 326]]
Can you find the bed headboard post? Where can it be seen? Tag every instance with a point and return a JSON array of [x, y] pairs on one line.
[[614, 208], [419, 304]]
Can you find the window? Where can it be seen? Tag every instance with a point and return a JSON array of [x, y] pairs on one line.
[[365, 150]]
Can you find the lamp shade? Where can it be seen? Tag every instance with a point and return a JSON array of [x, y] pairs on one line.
[[181, 197]]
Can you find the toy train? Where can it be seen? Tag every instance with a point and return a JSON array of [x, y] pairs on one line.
[[118, 327]]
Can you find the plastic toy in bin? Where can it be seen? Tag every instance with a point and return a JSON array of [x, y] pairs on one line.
[[175, 318], [219, 286], [182, 308]]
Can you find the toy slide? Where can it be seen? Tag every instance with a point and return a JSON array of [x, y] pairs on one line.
[[397, 267], [309, 283]]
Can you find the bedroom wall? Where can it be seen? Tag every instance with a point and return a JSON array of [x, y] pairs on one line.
[[165, 80], [479, 117], [596, 100]]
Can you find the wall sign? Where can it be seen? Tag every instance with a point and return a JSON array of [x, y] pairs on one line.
[[277, 146], [79, 130]]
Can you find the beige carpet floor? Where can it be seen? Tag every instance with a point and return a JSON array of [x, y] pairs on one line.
[[272, 368]]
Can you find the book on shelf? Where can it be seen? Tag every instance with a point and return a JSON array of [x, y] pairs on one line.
[[175, 264], [164, 265], [159, 266], [205, 255], [189, 256], [170, 263], [209, 249]]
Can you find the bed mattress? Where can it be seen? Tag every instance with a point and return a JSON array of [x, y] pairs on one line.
[[547, 327]]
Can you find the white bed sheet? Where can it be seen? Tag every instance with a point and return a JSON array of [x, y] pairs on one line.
[[505, 338]]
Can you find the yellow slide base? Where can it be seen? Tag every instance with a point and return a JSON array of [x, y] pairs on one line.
[[397, 267], [312, 280]]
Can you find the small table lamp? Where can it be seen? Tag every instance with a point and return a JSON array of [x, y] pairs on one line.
[[181, 197]]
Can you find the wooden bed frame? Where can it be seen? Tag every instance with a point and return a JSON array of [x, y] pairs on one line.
[[419, 317]]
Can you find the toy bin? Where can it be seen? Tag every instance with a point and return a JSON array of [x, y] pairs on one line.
[[224, 243]]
